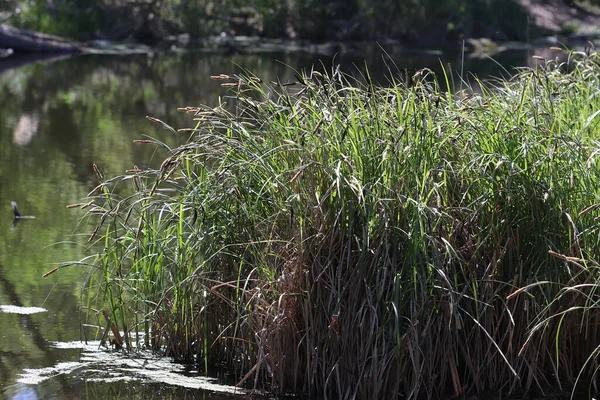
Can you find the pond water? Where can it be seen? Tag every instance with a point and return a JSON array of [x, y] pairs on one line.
[[58, 118]]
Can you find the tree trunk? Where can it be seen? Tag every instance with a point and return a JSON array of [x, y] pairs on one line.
[[21, 40]]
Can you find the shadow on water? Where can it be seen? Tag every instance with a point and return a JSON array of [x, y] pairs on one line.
[[58, 118], [21, 60]]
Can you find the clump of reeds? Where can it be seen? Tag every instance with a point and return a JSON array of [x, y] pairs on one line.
[[339, 238]]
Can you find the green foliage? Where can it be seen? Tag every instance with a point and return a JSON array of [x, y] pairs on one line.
[[341, 238], [569, 28], [76, 19], [428, 22]]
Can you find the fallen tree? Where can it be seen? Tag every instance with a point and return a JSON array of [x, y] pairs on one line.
[[21, 40]]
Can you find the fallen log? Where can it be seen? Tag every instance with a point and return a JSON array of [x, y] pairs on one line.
[[21, 40]]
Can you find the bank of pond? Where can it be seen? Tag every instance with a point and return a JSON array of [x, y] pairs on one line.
[[328, 236]]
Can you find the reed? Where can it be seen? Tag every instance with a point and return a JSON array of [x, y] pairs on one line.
[[337, 238]]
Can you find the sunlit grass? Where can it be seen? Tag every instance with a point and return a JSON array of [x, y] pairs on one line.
[[338, 237]]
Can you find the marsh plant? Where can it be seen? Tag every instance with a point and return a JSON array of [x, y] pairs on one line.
[[334, 237]]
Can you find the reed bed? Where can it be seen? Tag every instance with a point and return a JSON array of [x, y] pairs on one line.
[[337, 238]]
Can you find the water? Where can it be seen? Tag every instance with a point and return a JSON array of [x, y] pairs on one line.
[[58, 118]]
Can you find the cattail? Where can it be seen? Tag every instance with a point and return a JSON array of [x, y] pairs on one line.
[[98, 172], [188, 109], [155, 120], [74, 205], [221, 77], [86, 205], [53, 270]]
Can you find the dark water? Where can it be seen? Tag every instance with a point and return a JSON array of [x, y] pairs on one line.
[[57, 118]]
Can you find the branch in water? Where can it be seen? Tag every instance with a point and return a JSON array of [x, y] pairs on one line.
[[15, 209]]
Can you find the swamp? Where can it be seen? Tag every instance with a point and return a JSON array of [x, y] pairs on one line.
[[299, 200]]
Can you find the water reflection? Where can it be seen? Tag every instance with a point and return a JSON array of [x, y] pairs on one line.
[[59, 118], [25, 128]]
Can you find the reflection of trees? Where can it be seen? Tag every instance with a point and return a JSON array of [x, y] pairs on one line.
[[27, 322], [28, 328], [25, 128], [92, 107]]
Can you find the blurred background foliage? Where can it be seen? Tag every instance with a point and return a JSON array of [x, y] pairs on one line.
[[426, 22]]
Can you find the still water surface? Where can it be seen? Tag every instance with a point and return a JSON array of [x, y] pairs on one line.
[[59, 117]]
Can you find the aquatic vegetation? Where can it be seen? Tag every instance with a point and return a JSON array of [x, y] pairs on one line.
[[332, 236]]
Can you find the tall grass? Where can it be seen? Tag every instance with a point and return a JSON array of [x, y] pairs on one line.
[[337, 238]]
